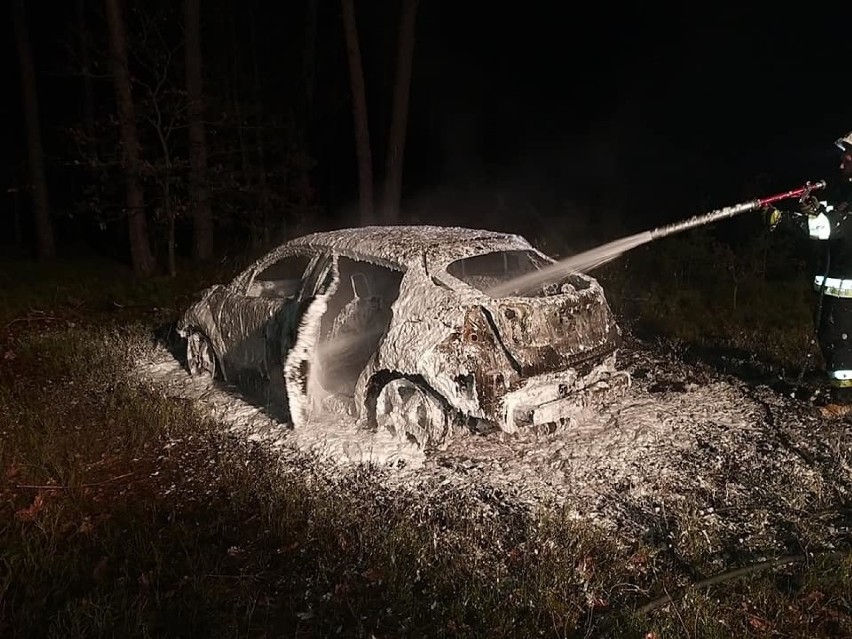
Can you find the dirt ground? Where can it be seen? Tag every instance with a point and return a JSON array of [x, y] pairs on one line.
[[684, 449]]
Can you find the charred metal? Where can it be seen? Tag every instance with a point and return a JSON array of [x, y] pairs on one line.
[[399, 326]]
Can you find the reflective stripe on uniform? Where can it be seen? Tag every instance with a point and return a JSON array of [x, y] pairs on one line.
[[819, 228], [840, 379], [834, 286]]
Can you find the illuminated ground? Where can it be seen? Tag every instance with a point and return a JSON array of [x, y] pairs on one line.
[[745, 463]]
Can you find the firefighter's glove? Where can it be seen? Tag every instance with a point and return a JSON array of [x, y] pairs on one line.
[[773, 217], [809, 205]]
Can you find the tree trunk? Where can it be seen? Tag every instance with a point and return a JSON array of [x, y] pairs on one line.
[[262, 186], [309, 58], [45, 244], [88, 106], [167, 199], [170, 231], [140, 248], [399, 114], [237, 108], [359, 113], [245, 165], [17, 225], [201, 215]]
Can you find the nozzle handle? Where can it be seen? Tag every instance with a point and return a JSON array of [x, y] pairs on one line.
[[800, 192]]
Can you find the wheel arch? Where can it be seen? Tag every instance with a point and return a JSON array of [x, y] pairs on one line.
[[194, 328], [381, 378]]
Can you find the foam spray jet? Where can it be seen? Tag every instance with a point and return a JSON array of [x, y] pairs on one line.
[[600, 255]]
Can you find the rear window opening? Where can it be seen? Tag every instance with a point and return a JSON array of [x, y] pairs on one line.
[[484, 272]]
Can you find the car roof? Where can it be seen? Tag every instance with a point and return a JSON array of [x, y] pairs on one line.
[[406, 244]]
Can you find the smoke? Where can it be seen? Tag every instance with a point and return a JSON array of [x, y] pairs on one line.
[[339, 360]]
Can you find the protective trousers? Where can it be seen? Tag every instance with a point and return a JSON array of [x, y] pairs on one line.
[[835, 341]]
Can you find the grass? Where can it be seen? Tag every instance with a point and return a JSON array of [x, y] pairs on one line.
[[124, 513], [699, 293], [34, 295]]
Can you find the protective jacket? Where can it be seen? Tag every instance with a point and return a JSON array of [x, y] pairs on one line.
[[832, 228], [830, 224]]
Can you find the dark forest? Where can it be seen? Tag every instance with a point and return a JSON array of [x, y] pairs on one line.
[[156, 132]]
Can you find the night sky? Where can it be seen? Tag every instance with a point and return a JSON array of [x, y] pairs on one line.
[[640, 116], [684, 108]]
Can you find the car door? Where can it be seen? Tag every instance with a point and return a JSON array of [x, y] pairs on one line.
[[267, 307], [320, 284]]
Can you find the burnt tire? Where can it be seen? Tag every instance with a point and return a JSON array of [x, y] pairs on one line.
[[412, 413], [200, 356]]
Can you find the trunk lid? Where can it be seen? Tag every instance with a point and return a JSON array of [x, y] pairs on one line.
[[554, 332]]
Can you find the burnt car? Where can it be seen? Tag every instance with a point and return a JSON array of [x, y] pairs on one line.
[[399, 328]]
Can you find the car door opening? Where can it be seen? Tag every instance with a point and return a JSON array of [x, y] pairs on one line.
[[357, 316]]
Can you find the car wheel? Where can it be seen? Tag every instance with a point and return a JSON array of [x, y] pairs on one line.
[[200, 357], [411, 412]]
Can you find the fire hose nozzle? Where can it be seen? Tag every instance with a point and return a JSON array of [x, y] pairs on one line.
[[795, 193]]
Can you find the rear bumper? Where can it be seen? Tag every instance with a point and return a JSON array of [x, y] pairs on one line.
[[534, 399], [553, 397]]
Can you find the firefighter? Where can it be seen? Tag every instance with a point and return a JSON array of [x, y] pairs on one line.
[[829, 223]]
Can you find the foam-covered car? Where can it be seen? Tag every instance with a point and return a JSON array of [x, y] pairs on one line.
[[400, 328]]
